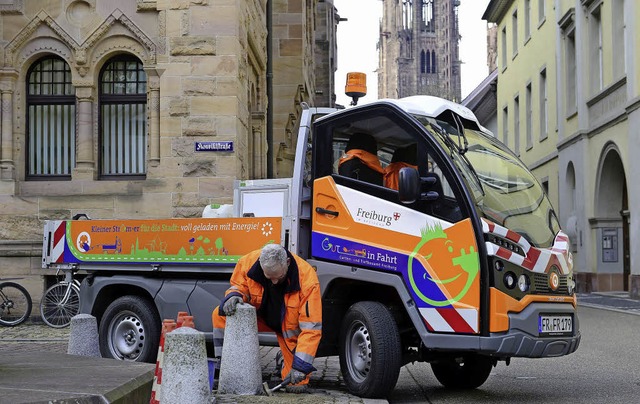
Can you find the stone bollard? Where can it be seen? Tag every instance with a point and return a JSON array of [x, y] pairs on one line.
[[83, 337], [240, 371], [185, 373]]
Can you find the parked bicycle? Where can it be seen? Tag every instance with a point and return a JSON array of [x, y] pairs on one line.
[[61, 301], [15, 303]]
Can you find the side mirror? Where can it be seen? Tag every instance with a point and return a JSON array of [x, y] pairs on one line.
[[408, 185]]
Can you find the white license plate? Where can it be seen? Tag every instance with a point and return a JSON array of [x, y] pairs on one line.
[[555, 325]]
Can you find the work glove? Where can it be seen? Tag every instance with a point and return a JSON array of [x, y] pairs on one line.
[[230, 305], [296, 376]]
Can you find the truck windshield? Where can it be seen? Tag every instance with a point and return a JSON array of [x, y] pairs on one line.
[[504, 190]]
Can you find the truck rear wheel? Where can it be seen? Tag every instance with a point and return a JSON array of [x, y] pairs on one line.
[[370, 350], [130, 330], [467, 373]]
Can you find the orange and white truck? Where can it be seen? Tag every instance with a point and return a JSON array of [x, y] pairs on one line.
[[462, 266]]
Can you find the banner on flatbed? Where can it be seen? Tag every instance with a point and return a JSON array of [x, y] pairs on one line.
[[167, 241]]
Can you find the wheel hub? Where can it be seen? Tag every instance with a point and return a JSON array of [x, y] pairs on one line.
[[128, 336], [360, 349]]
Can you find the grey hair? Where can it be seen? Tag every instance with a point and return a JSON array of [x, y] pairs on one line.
[[273, 258]]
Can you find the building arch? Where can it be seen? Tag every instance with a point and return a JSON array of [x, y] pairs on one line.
[[610, 183], [611, 209], [570, 206], [32, 40]]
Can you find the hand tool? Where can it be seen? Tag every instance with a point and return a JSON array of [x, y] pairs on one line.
[[269, 392]]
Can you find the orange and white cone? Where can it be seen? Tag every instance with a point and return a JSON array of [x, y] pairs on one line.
[[187, 321], [180, 318], [167, 326]]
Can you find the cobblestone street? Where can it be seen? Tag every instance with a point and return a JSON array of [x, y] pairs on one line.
[[32, 337]]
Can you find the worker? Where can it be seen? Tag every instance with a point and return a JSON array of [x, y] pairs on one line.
[[285, 291], [403, 157]]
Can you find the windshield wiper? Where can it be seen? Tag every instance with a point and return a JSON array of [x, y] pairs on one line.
[[461, 133], [446, 138]]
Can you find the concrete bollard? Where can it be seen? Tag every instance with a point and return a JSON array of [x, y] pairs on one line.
[[83, 337], [240, 371], [185, 373]]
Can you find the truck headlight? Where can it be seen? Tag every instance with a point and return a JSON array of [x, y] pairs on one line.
[[523, 283], [509, 280]]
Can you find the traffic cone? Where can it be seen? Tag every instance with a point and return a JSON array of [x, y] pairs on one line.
[[187, 321], [167, 326], [180, 318]]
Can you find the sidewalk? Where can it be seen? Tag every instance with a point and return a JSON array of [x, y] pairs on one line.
[[614, 301]]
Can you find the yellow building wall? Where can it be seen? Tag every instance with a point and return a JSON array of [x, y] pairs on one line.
[[534, 54]]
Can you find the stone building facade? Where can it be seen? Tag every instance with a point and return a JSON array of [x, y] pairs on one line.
[[143, 108], [418, 49]]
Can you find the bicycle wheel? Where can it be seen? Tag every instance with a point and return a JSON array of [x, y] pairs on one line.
[[57, 309], [15, 304]]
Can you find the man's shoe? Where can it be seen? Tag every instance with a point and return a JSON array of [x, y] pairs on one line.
[[298, 389]]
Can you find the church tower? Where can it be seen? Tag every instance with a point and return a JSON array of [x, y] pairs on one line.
[[418, 49]]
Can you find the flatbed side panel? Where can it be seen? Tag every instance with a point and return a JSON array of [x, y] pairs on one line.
[[209, 241], [53, 242]]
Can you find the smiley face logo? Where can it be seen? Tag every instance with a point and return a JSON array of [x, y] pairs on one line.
[[466, 259]]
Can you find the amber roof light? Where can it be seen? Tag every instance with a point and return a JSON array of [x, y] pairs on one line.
[[356, 86]]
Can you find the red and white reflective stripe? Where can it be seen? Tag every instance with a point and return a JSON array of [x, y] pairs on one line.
[[535, 259], [57, 251], [450, 320]]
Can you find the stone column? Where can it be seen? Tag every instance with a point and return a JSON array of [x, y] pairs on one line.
[[258, 148], [153, 80], [7, 167], [85, 160]]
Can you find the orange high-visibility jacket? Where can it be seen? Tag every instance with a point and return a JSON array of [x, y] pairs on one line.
[[392, 172], [369, 159], [302, 312]]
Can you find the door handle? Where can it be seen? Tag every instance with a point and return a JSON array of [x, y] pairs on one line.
[[324, 211]]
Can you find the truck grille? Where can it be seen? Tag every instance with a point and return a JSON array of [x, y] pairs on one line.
[[541, 285]]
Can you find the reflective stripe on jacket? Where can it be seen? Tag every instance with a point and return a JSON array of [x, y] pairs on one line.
[[301, 315]]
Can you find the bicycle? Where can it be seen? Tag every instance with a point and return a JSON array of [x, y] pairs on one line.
[[15, 303], [61, 301]]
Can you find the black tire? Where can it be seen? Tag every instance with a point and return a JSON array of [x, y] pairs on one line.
[[466, 373], [370, 350], [55, 311], [130, 330], [15, 304]]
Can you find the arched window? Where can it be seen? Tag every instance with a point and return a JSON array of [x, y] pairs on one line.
[[433, 62], [428, 61], [51, 120], [123, 128], [423, 68]]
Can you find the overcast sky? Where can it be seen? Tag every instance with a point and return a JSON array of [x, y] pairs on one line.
[[357, 39]]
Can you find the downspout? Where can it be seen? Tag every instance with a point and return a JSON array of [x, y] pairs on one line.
[[269, 92]]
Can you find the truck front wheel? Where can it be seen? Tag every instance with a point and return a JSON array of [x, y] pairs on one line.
[[468, 372], [370, 350], [130, 330]]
